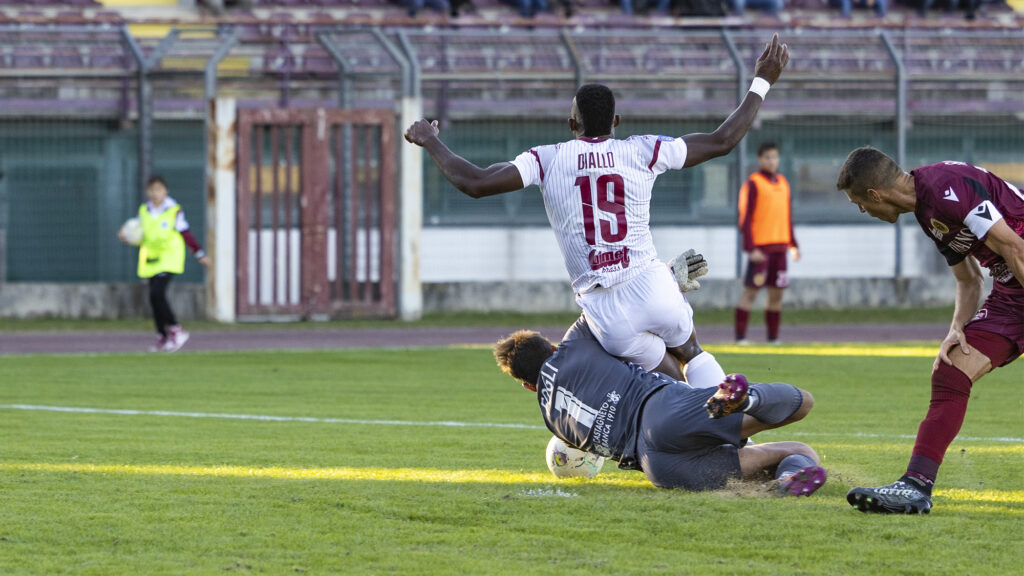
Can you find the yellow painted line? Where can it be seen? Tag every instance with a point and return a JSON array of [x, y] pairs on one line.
[[945, 508], [996, 496], [341, 473], [839, 350], [899, 351], [969, 450], [414, 475]]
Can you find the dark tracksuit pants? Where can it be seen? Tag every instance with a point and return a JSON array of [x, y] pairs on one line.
[[163, 316]]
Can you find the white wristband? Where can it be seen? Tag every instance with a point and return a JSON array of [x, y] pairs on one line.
[[760, 87]]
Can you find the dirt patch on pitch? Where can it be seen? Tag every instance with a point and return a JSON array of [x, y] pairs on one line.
[[747, 489]]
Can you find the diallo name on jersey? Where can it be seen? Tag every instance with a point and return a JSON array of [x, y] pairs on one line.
[[591, 160]]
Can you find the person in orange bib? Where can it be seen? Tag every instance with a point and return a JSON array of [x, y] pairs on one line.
[[766, 224]]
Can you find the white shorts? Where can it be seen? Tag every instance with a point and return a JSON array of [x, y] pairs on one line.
[[637, 319]]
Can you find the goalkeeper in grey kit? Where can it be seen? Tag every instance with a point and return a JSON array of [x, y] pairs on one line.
[[649, 422], [675, 434]]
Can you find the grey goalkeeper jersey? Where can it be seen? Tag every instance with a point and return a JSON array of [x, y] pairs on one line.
[[592, 400]]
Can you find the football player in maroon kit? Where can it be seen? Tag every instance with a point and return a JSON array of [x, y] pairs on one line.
[[974, 218]]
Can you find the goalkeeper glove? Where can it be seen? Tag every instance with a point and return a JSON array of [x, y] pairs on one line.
[[687, 267]]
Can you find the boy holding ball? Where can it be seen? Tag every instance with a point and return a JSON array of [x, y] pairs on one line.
[[165, 233]]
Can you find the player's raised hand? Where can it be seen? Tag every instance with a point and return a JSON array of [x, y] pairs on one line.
[[421, 131], [774, 58], [687, 267]]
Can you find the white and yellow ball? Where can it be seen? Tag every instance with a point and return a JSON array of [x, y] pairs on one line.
[[564, 461]]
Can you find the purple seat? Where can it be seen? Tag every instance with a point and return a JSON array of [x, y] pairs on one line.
[[28, 57], [66, 57], [316, 60], [107, 57]]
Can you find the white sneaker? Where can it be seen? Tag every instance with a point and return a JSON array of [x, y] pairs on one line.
[[176, 338], [159, 346]]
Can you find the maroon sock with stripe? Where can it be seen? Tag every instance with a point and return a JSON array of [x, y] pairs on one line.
[[951, 389]]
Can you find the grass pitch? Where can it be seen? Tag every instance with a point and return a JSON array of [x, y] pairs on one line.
[[707, 317], [389, 462]]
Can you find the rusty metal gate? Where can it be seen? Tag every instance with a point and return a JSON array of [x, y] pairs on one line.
[[316, 213]]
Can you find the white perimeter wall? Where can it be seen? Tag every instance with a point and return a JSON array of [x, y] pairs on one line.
[[459, 254]]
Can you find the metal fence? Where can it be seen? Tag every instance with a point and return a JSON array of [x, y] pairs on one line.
[[86, 112]]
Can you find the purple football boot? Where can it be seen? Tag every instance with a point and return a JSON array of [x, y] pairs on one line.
[[730, 395], [803, 482]]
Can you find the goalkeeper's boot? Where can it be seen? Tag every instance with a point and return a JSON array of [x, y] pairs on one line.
[[730, 396], [897, 498], [803, 482]]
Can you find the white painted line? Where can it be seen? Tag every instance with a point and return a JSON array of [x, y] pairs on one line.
[[263, 417], [890, 436], [438, 423]]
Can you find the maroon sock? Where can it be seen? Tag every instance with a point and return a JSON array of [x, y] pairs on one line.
[[740, 323], [772, 319], [951, 389]]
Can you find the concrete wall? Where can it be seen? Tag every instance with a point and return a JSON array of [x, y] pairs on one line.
[[189, 300], [714, 293], [521, 269], [31, 300], [491, 269], [521, 254]]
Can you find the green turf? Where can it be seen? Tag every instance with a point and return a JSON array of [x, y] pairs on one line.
[[122, 522], [705, 317]]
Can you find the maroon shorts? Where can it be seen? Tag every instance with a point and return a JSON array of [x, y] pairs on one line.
[[768, 274], [1003, 316]]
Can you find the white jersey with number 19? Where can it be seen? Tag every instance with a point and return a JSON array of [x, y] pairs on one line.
[[597, 193]]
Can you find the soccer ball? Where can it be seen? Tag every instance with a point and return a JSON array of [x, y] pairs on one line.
[[131, 231], [564, 461]]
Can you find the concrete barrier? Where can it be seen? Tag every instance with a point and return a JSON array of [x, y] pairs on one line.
[[32, 300], [96, 300], [813, 293]]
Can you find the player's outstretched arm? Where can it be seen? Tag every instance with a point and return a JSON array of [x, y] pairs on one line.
[[969, 285], [469, 178], [704, 147]]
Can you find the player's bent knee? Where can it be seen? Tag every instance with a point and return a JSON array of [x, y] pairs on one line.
[[806, 403], [756, 460], [801, 448], [778, 403]]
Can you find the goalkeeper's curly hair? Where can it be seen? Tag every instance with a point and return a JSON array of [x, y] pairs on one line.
[[522, 354]]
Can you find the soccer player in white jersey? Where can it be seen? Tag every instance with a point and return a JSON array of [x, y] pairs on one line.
[[597, 193]]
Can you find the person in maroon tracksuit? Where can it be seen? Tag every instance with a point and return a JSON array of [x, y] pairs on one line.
[[975, 218]]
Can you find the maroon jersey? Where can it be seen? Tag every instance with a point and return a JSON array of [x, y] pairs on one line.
[[957, 205]]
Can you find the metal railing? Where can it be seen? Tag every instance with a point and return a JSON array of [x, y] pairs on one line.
[[917, 94]]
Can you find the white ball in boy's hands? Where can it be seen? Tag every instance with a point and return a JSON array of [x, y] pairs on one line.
[[131, 232]]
